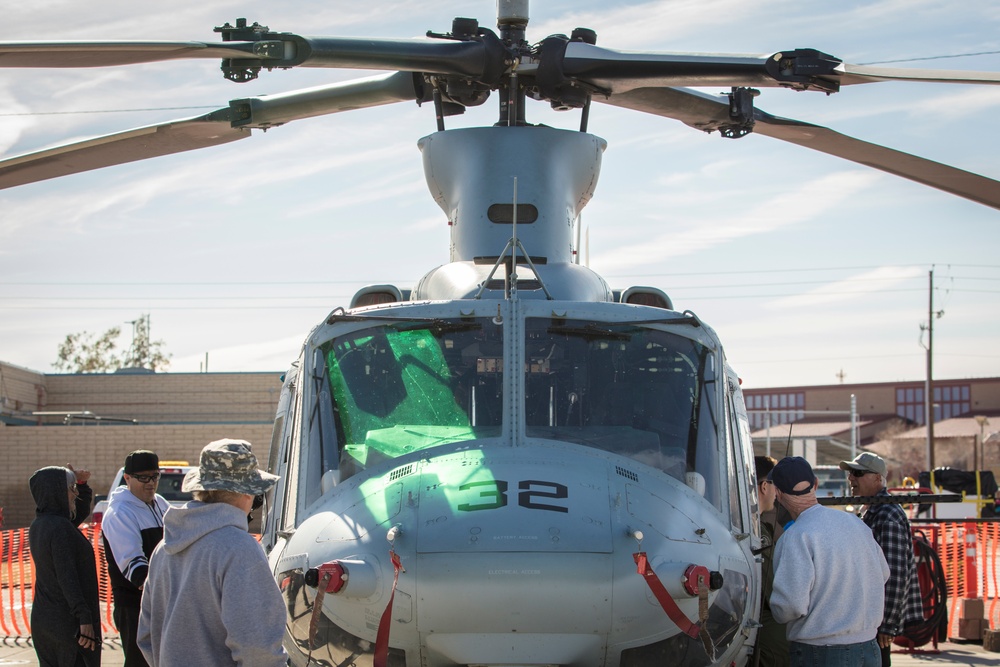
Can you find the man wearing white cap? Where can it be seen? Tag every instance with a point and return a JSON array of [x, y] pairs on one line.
[[891, 528], [210, 598]]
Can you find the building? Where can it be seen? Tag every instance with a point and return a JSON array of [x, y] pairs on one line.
[[889, 418], [93, 420]]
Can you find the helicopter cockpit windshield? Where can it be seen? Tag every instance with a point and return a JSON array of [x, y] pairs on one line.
[[635, 390], [410, 385]]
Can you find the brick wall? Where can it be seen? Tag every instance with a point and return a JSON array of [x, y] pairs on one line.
[[20, 389], [102, 449]]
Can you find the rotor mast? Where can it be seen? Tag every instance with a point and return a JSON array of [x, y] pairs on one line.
[[512, 22]]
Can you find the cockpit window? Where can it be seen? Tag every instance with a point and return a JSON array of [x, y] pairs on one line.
[[406, 386], [636, 391]]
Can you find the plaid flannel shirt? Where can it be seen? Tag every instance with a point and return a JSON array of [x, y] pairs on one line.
[[903, 602]]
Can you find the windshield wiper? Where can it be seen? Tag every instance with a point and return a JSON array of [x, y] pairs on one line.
[[439, 327], [590, 332]]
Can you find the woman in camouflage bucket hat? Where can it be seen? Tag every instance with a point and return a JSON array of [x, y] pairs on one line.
[[210, 597]]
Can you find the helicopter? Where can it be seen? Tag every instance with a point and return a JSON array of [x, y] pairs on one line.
[[511, 462]]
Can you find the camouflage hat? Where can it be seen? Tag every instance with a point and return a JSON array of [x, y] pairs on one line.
[[228, 465]]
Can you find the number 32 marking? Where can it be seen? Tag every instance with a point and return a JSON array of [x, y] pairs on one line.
[[493, 495]]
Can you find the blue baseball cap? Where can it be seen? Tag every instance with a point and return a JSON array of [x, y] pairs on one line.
[[790, 472]]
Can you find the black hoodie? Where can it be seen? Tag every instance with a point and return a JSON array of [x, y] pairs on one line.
[[66, 594]]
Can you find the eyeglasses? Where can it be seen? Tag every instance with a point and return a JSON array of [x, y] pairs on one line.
[[858, 473], [146, 479]]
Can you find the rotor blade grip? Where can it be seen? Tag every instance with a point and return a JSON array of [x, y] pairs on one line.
[[109, 150], [106, 54], [430, 56], [621, 71], [271, 110]]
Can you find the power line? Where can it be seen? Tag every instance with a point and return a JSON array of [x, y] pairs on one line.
[[174, 283], [913, 60]]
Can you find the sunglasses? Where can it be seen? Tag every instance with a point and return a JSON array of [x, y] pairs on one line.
[[858, 473], [146, 479]]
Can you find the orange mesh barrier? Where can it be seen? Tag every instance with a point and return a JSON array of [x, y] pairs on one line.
[[969, 552], [17, 575]]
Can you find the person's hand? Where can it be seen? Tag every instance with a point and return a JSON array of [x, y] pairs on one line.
[[82, 475], [87, 638], [884, 640]]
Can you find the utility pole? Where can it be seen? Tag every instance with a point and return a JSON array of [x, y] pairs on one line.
[[929, 383]]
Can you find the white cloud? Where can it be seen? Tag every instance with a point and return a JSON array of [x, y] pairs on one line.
[[849, 289], [795, 206]]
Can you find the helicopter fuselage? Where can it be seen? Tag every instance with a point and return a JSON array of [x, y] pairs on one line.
[[515, 457]]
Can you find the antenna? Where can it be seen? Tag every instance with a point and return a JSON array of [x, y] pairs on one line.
[[513, 248]]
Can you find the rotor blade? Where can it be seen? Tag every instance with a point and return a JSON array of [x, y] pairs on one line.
[[710, 113], [139, 144], [104, 54], [218, 127], [854, 74]]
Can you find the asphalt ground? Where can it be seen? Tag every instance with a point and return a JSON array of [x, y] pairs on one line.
[[20, 652]]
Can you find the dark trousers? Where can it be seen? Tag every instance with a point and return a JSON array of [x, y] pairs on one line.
[[127, 619]]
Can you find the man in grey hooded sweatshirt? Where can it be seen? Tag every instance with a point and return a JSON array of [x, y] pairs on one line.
[[210, 598]]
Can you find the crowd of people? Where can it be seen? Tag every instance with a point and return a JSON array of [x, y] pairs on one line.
[[836, 589], [231, 611]]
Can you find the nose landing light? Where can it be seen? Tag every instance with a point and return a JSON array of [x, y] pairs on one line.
[[332, 573]]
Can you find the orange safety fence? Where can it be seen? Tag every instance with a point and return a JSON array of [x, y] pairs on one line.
[[17, 578], [968, 550]]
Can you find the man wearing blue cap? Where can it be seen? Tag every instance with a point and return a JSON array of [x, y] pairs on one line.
[[829, 577]]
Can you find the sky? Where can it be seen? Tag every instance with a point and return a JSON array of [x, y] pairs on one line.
[[811, 269]]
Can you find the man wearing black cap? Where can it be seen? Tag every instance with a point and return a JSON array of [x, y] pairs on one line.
[[891, 529], [132, 527], [829, 576]]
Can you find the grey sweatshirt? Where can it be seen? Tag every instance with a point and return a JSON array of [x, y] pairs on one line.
[[210, 598], [829, 579]]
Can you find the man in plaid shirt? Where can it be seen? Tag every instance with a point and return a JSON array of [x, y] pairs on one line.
[[891, 529]]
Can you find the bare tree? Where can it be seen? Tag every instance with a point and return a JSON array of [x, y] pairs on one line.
[[82, 353], [144, 352]]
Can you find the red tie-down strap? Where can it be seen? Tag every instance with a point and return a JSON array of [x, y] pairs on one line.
[[663, 597], [381, 656], [674, 613]]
